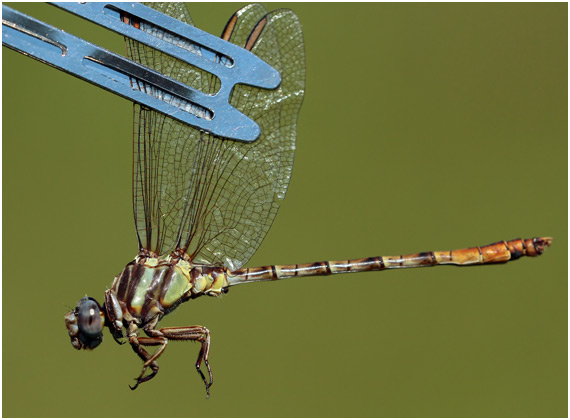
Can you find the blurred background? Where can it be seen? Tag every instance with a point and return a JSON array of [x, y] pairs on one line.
[[424, 127]]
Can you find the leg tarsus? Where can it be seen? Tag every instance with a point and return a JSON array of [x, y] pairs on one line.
[[142, 379], [206, 383], [149, 361], [194, 333], [203, 357]]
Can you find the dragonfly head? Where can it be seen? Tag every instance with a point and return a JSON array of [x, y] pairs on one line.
[[85, 324]]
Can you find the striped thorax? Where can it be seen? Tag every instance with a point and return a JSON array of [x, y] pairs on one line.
[[151, 285]]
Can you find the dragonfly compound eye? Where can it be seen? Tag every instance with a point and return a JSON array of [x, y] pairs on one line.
[[90, 321]]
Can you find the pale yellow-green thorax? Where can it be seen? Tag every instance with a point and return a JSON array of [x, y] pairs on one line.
[[150, 282]]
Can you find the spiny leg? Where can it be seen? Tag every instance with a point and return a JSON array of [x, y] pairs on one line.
[[193, 333], [149, 360]]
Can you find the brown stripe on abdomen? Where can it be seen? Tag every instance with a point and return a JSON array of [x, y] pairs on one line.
[[529, 247], [421, 259], [261, 273], [313, 269], [363, 264]]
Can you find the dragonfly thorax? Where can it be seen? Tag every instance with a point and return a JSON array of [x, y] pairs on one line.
[[148, 288]]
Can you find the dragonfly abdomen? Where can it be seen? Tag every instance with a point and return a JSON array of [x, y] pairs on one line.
[[499, 252]]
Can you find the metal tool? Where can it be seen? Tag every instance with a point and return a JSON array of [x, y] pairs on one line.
[[210, 112]]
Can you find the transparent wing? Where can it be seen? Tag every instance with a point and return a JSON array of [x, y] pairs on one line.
[[216, 198], [242, 22], [176, 10]]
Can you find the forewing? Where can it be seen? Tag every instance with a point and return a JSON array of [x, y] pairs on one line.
[[176, 10], [242, 22], [213, 197]]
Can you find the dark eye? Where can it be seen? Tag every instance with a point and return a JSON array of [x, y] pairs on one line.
[[89, 318]]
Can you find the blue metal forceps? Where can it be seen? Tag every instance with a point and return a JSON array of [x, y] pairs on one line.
[[113, 72]]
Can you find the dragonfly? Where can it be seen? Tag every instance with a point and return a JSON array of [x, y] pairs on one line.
[[202, 204]]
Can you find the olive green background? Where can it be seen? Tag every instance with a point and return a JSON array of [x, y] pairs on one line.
[[424, 127]]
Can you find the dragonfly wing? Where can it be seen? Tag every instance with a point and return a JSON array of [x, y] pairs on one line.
[[216, 198], [154, 199], [265, 171], [176, 10], [242, 22]]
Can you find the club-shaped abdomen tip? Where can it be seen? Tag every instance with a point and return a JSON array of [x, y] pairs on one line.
[[540, 244]]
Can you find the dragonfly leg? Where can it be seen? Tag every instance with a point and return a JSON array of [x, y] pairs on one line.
[[193, 333], [149, 360], [114, 318]]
